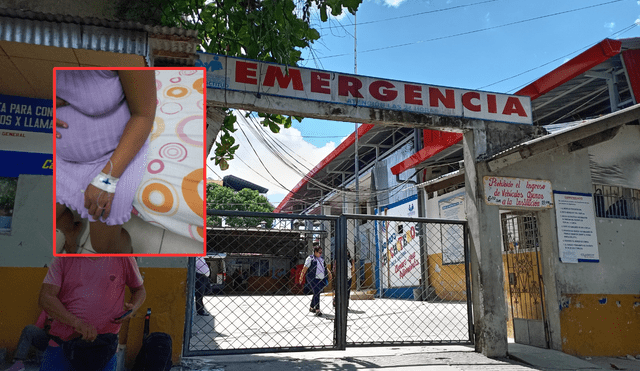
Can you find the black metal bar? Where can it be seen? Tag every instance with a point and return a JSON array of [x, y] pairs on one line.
[[213, 212], [467, 273], [188, 318], [403, 219], [221, 352], [341, 284]]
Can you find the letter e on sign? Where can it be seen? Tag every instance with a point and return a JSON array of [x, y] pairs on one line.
[[246, 72], [320, 82], [412, 94]]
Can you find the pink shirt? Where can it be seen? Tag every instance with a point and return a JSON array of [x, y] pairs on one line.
[[92, 290]]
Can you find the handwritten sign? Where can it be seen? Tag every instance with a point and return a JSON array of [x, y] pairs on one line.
[[517, 192], [399, 246], [577, 240]]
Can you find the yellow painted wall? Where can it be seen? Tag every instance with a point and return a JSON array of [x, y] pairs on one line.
[[448, 280], [369, 279], [166, 296], [600, 325], [19, 295]]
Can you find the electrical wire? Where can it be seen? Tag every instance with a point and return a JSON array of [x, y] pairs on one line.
[[624, 30], [420, 13], [475, 31]]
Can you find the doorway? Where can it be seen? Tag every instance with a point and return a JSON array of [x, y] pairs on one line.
[[524, 286]]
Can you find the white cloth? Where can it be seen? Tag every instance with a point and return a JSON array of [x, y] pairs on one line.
[[202, 267], [170, 193], [319, 265]]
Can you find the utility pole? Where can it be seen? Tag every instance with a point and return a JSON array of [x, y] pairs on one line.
[[356, 246]]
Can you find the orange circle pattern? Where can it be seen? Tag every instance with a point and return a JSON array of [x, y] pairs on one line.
[[198, 85], [190, 191], [167, 203], [177, 91]]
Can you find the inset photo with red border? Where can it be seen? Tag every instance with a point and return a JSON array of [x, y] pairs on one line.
[[128, 161]]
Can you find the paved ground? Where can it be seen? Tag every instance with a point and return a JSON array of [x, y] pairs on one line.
[[273, 321], [429, 358], [411, 358], [279, 321]]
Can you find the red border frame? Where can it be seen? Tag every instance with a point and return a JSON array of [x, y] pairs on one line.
[[204, 160]]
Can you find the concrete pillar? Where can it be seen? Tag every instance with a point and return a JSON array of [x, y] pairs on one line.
[[487, 276]]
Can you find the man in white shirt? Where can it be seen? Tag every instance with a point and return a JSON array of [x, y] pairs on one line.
[[202, 283]]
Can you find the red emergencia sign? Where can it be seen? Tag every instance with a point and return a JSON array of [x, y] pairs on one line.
[[236, 74]]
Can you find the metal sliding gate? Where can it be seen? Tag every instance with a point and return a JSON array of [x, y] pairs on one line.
[[407, 283]]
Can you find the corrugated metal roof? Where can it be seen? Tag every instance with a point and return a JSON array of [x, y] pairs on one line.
[[92, 21], [167, 45], [75, 36]]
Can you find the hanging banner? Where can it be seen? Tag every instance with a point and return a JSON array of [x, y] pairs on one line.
[[263, 80], [26, 129], [516, 192], [576, 222], [399, 245]]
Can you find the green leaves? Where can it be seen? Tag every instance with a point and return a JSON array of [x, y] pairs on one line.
[[266, 30], [224, 198]]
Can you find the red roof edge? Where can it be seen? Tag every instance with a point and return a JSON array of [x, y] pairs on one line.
[[631, 60], [363, 129], [434, 142], [583, 62]]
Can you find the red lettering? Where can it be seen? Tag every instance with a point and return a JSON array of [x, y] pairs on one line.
[[412, 94], [467, 98], [435, 96], [246, 72], [514, 106], [491, 101], [320, 82], [349, 85], [275, 73], [383, 91]]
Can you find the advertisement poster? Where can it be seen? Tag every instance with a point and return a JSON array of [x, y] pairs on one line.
[[577, 240], [399, 245], [26, 127], [517, 192], [451, 238]]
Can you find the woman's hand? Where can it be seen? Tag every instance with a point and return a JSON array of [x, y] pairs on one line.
[[60, 124], [98, 202]]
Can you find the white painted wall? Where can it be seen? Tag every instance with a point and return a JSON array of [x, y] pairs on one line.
[[617, 272]]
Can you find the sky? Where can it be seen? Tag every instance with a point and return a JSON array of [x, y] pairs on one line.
[[490, 45]]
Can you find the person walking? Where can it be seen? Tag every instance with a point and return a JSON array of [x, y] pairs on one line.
[[202, 284], [316, 273]]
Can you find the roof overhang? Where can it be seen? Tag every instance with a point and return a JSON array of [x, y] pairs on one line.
[[32, 43], [575, 91], [577, 137]]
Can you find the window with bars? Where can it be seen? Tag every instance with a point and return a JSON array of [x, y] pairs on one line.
[[616, 202]]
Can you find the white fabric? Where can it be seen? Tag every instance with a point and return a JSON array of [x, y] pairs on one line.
[[171, 192], [319, 266]]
